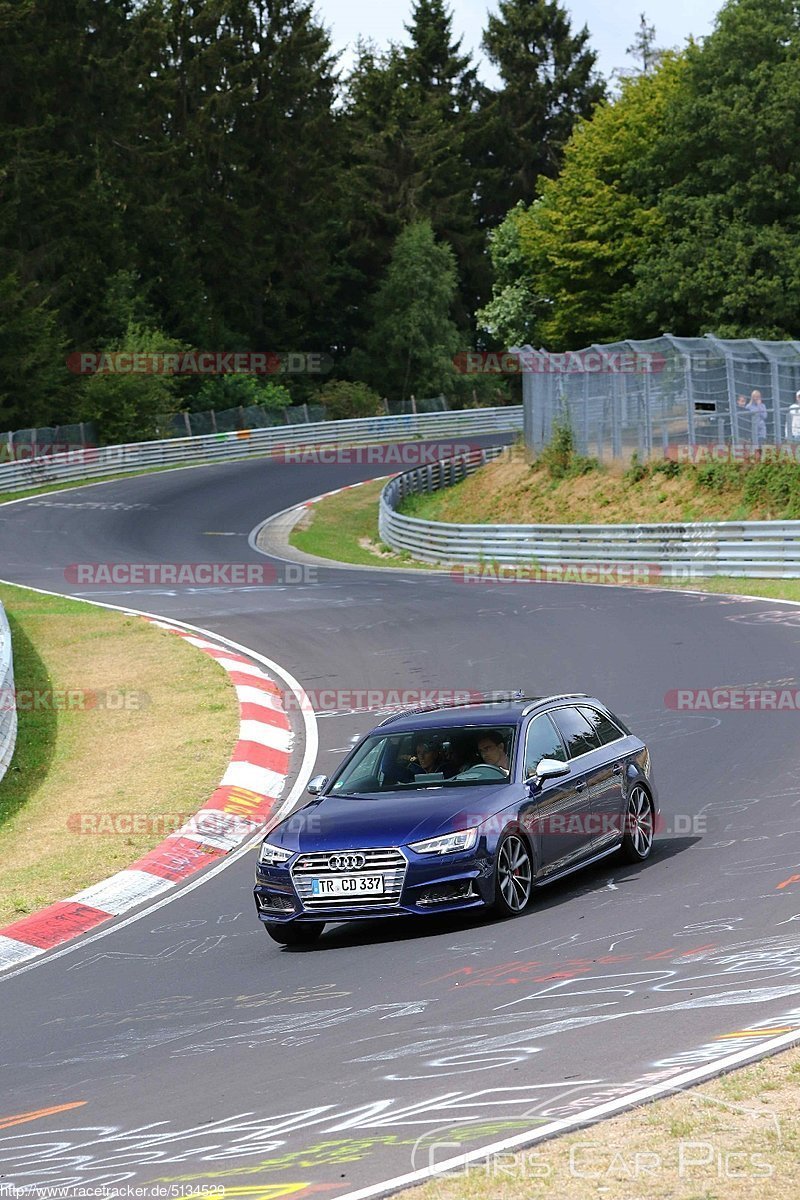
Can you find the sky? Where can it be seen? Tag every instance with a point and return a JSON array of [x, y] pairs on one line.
[[612, 25]]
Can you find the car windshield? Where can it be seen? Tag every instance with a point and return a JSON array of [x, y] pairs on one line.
[[450, 756]]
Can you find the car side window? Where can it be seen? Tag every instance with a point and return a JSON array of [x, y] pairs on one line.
[[603, 726], [576, 731], [542, 741]]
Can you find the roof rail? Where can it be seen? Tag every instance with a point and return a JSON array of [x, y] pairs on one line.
[[557, 696], [476, 698]]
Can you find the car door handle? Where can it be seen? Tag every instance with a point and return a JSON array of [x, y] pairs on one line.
[[618, 768], [580, 787]]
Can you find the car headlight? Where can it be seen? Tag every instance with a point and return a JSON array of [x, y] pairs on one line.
[[272, 856], [449, 843]]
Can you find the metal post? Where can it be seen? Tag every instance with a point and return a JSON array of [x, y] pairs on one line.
[[187, 422], [585, 447], [731, 384], [616, 432], [776, 399], [213, 420], [648, 419]]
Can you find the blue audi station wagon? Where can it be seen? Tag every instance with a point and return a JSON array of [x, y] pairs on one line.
[[459, 806]]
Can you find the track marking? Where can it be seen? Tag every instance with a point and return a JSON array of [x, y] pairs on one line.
[[37, 1113]]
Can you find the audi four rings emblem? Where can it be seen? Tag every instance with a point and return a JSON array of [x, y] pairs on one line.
[[346, 862]]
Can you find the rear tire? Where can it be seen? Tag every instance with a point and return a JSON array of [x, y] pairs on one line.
[[637, 841], [301, 933], [513, 874]]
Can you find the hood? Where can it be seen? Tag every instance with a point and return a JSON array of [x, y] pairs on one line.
[[390, 819]]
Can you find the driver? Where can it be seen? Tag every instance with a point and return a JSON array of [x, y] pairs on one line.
[[492, 750]]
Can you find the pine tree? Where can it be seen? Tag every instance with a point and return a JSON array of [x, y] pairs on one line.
[[549, 83], [644, 49], [413, 338]]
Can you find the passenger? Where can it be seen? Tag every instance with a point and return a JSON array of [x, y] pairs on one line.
[[428, 752], [492, 749], [460, 756]]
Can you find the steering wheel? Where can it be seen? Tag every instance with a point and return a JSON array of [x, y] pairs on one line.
[[483, 771]]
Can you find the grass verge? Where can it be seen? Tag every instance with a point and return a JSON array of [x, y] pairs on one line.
[[115, 717], [344, 527], [516, 489], [734, 1138]]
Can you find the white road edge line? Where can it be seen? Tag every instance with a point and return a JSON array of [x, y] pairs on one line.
[[587, 1117], [304, 774]]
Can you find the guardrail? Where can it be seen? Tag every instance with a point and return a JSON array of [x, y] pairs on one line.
[[220, 447], [8, 705], [755, 549]]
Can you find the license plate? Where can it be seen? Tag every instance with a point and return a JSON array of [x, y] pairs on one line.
[[347, 885]]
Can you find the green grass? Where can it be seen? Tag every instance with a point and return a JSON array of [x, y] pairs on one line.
[[344, 527], [157, 756]]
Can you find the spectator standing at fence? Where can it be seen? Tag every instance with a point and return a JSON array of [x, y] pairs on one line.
[[758, 408], [792, 428]]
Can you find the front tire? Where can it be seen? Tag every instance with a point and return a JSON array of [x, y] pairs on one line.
[[301, 933], [513, 874], [637, 841]]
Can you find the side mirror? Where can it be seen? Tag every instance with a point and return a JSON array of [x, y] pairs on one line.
[[315, 785], [550, 768]]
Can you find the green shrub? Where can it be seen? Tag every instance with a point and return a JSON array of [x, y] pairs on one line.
[[233, 391], [666, 466], [779, 482], [637, 471], [719, 476], [344, 400], [559, 455]]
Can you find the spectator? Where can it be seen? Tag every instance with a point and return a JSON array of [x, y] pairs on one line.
[[758, 408], [792, 428]]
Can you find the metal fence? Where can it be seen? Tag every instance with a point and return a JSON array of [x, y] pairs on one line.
[[665, 396], [8, 706], [20, 444], [221, 447], [756, 549], [255, 416]]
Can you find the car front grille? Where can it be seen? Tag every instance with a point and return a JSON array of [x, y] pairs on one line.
[[389, 863]]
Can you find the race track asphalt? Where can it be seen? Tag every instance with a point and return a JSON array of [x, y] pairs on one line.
[[201, 1054]]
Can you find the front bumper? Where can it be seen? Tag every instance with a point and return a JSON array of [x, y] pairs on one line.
[[429, 884]]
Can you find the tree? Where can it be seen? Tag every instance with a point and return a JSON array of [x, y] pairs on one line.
[[549, 82], [566, 264], [65, 112], [413, 337], [344, 400], [128, 406], [510, 316], [34, 381], [729, 169], [644, 49], [409, 124]]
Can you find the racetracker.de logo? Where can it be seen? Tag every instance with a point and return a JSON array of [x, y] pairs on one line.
[[72, 699], [182, 574], [561, 572], [199, 362], [733, 699], [577, 362], [395, 454], [723, 452], [70, 452], [361, 699]]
